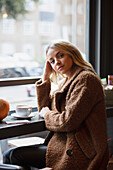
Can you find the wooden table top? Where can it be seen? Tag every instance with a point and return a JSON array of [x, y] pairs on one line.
[[35, 124]]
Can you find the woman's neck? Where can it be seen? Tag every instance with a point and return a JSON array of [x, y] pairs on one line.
[[72, 71]]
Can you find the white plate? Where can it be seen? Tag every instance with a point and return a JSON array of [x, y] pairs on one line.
[[23, 117]]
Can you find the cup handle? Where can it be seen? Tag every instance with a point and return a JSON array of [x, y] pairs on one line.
[[30, 109]]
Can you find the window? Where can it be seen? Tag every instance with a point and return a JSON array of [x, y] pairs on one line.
[[46, 23], [45, 5], [80, 30], [8, 26], [68, 9], [29, 5], [80, 8], [46, 28], [66, 32], [47, 16], [28, 27], [23, 43]]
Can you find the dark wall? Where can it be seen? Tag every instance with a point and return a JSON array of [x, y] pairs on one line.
[[106, 54], [99, 42]]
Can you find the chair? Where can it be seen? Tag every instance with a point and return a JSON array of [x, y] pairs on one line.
[[10, 167], [16, 167]]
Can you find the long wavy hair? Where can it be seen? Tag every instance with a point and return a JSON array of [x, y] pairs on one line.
[[71, 50]]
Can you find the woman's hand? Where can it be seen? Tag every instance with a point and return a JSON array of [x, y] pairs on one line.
[[44, 111], [47, 71]]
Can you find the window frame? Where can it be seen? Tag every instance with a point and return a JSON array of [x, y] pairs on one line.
[[93, 33], [99, 40], [18, 81]]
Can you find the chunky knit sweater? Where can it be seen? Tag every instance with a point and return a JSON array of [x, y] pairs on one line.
[[77, 123]]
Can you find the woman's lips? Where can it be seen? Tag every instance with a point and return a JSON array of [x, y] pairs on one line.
[[60, 68]]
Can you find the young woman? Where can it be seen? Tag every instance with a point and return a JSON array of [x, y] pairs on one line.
[[74, 114]]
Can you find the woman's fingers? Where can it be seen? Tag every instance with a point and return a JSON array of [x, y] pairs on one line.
[[48, 67], [47, 71], [44, 111]]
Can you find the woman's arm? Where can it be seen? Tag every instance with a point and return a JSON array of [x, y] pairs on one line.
[[47, 71], [43, 88], [85, 95]]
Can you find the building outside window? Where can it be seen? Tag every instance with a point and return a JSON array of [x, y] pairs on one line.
[[44, 5], [8, 26], [46, 28], [80, 8], [28, 27], [68, 9], [47, 17], [30, 5]]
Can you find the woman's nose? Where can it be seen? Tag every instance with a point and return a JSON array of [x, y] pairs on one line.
[[57, 61]]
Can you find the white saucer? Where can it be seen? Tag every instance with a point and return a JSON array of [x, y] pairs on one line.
[[23, 117]]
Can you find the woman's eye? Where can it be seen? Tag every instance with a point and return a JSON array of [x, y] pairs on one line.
[[61, 55], [52, 61]]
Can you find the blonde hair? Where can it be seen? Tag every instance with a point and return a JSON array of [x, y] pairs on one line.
[[71, 50]]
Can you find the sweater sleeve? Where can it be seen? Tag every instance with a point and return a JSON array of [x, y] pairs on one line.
[[43, 93], [83, 98]]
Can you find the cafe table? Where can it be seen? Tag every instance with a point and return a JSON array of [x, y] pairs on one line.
[[33, 125], [12, 127]]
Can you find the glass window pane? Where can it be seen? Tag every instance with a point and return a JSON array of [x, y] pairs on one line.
[[8, 26], [28, 27], [19, 95], [26, 36], [29, 5], [23, 42]]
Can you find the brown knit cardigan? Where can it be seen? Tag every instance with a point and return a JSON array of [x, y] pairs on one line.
[[77, 123]]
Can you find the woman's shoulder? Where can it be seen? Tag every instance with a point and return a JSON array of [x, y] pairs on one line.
[[89, 77]]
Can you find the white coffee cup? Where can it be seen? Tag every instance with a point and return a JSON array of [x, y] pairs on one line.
[[23, 110]]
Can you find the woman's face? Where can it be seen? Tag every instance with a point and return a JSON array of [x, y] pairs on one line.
[[60, 62]]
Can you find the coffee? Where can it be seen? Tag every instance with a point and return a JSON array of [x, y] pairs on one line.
[[23, 110]]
